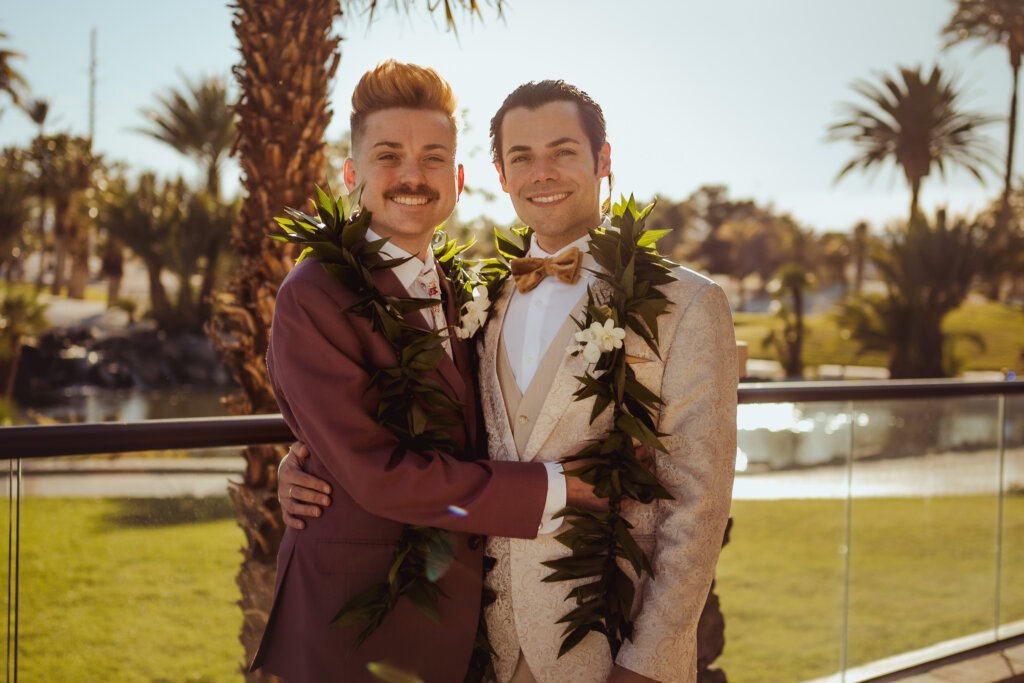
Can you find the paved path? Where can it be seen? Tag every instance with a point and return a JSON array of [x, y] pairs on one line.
[[933, 475], [127, 477]]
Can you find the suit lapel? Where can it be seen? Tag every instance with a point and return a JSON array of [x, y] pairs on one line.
[[564, 385], [454, 369], [492, 399], [560, 388], [388, 284]]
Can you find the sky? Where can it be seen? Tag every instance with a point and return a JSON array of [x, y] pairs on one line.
[[733, 92]]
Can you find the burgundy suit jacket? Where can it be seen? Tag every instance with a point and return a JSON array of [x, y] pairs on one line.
[[320, 361]]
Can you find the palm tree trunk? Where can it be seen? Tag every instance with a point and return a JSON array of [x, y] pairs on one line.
[[915, 192], [60, 232], [1004, 212], [78, 249], [289, 56]]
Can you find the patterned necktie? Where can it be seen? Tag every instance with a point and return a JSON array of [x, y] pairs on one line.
[[529, 271], [432, 289]]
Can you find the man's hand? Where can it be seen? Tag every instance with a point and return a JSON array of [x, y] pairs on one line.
[[300, 494], [621, 674]]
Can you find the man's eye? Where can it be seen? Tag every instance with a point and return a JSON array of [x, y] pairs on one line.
[[518, 158], [566, 152]]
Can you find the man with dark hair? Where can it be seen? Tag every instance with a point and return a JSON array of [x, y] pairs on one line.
[[324, 361], [550, 151]]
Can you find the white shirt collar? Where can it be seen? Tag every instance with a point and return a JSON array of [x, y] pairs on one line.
[[408, 272]]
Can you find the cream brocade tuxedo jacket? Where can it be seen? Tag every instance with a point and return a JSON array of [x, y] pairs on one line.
[[696, 377]]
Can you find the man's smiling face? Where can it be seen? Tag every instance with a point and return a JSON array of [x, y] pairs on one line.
[[550, 172], [405, 161]]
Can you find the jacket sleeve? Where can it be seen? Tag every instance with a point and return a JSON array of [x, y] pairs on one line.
[[699, 417], [320, 361]]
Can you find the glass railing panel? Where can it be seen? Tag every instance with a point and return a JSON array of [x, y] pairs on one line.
[[781, 577], [923, 522], [128, 571], [1011, 572], [8, 558]]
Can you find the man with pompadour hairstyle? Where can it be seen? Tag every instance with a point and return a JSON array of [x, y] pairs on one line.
[[322, 359]]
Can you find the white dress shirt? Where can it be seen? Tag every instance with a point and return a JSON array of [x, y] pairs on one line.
[[408, 274], [531, 322], [534, 318]]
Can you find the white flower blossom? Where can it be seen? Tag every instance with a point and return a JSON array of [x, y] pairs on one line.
[[473, 314], [598, 339]]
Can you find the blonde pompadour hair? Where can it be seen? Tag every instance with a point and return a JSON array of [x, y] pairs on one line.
[[392, 85]]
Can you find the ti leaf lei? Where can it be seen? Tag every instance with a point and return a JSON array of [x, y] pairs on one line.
[[415, 409], [633, 271]]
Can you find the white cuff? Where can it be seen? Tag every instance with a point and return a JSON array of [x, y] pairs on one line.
[[555, 500]]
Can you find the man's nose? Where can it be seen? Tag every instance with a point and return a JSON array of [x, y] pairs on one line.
[[411, 172], [543, 170]]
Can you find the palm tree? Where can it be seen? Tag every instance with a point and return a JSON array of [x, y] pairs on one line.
[[15, 211], [198, 122], [64, 168], [792, 280], [39, 110], [289, 56], [11, 80], [994, 22], [916, 122], [928, 269], [21, 315], [860, 252]]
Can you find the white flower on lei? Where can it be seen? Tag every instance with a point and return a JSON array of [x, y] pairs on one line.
[[597, 339], [473, 314]]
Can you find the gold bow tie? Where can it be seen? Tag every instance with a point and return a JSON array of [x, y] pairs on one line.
[[529, 271]]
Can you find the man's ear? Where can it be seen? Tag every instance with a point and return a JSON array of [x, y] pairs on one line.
[[349, 174], [604, 161], [501, 176], [461, 180]]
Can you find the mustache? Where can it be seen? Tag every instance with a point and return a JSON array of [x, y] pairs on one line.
[[404, 190]]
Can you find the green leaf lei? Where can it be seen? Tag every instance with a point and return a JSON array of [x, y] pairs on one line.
[[413, 407], [633, 270]]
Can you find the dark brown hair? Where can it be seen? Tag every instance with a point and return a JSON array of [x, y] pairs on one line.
[[535, 94]]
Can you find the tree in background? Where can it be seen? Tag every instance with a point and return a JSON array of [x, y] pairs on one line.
[[39, 110], [21, 316], [834, 252], [917, 123], [63, 167], [788, 287], [859, 249], [11, 81], [198, 122], [928, 269], [170, 227], [996, 22], [289, 55], [15, 207]]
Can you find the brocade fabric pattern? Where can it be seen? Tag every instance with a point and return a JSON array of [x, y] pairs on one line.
[[696, 377]]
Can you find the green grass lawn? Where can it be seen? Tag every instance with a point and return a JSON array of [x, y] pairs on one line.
[[129, 590], [921, 571], [1001, 326], [143, 590]]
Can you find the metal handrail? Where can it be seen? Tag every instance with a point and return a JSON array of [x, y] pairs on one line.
[[41, 441]]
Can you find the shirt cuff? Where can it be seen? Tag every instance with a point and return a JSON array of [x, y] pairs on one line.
[[555, 500]]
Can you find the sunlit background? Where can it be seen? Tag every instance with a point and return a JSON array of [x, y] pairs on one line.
[[736, 92]]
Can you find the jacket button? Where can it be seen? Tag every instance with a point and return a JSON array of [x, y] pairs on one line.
[[475, 541]]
